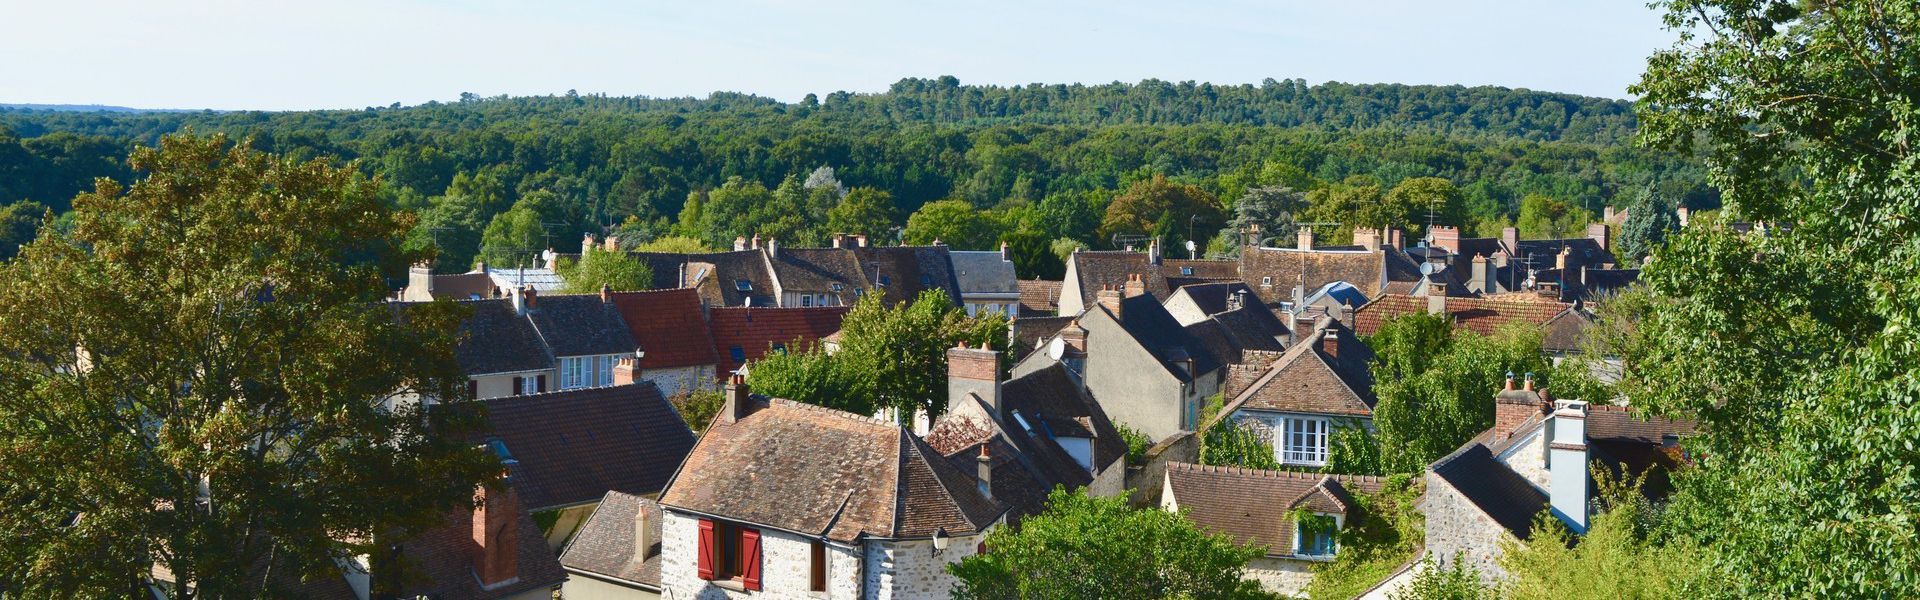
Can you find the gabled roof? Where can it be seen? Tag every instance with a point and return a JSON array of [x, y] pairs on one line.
[[1340, 292], [817, 270], [1053, 397], [1251, 505], [495, 340], [1108, 269], [1585, 251], [823, 472], [438, 563], [1566, 332], [1039, 297], [984, 272], [715, 274], [1275, 271], [609, 544], [1144, 318], [574, 446], [1215, 296], [1327, 496], [1503, 495], [577, 325], [755, 330], [669, 325], [1028, 332], [1024, 468], [1481, 315], [1307, 380], [1191, 271], [908, 270]]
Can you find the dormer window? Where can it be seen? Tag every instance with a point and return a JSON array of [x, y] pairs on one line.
[[1266, 282], [837, 287], [499, 449], [743, 285], [1313, 535]]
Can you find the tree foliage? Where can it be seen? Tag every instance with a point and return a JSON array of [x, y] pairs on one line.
[[214, 338], [951, 222], [1386, 531], [1455, 581], [1436, 385], [1161, 208], [1618, 556], [1098, 548], [1649, 221], [612, 270], [808, 374]]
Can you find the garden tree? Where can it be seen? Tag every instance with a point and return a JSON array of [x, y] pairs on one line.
[[1798, 352], [951, 222], [674, 244], [19, 223], [1071, 215], [1386, 530], [1273, 208], [727, 212], [697, 407], [449, 231], [1357, 201], [1099, 549], [514, 239], [1428, 199], [1156, 206], [904, 348], [598, 269], [1435, 385], [862, 211], [806, 373], [1649, 220], [203, 376], [1456, 581], [1548, 218], [1617, 557], [1033, 256]]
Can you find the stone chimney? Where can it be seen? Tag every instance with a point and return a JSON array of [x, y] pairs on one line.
[[973, 371], [984, 470], [420, 280], [1153, 252], [1110, 299], [1606, 214], [1510, 237], [860, 240], [754, 242], [1135, 287], [522, 299], [1330, 342], [1601, 234], [739, 243], [1445, 236], [1683, 213], [1366, 237], [1567, 464], [626, 370], [610, 244], [737, 402], [839, 240], [588, 245], [1005, 253], [1305, 238], [1483, 276], [773, 248], [1075, 339], [606, 294], [1436, 298], [496, 534]]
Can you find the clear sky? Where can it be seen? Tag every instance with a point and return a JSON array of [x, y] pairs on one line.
[[272, 54]]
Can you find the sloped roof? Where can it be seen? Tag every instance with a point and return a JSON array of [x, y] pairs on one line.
[[983, 272], [1039, 297], [1251, 505], [1327, 496], [495, 340], [1155, 329], [1024, 468], [542, 280], [1054, 397], [577, 325], [816, 270], [755, 330], [1099, 270], [1214, 296], [1566, 332], [608, 544], [818, 471], [461, 286], [1585, 251], [715, 274], [1202, 270], [1503, 495], [438, 563], [1312, 269], [1481, 315], [574, 446], [1029, 331], [1340, 291], [908, 270], [669, 325], [1306, 380]]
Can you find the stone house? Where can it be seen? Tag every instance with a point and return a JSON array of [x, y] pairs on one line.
[[785, 500], [1279, 274], [675, 350], [1297, 399], [987, 281], [762, 273], [1295, 517], [1510, 264], [1536, 458]]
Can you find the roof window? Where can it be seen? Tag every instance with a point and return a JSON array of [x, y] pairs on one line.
[[499, 449], [738, 354], [743, 285]]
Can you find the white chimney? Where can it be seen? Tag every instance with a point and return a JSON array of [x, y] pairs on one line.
[[1567, 463], [973, 371]]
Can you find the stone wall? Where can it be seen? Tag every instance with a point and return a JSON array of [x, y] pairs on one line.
[[1110, 481], [1458, 530], [906, 569], [681, 379], [1282, 576], [586, 587], [1528, 457], [785, 568], [1147, 481]]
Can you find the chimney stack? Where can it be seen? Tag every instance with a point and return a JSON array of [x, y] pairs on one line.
[[973, 371], [1135, 286], [610, 244], [839, 240], [1511, 407], [1305, 238], [1528, 386], [773, 248], [1483, 276], [1330, 342], [587, 245], [737, 403], [626, 370], [1445, 236], [1683, 213], [1567, 464], [1153, 251], [860, 240], [739, 243], [1110, 299], [1560, 260], [1366, 237], [606, 294], [1601, 234], [1510, 237], [1436, 298], [496, 534], [1397, 237], [1005, 253], [755, 241], [1299, 296], [984, 472], [1075, 338]]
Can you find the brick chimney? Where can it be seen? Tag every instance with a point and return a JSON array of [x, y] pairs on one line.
[[1567, 463], [1110, 299], [1511, 407], [1330, 342], [737, 403], [1510, 237], [588, 245], [739, 243], [984, 470], [1601, 234], [1366, 237], [1075, 339], [1135, 287], [973, 371], [1397, 237], [1445, 236], [496, 534], [1305, 238], [626, 370]]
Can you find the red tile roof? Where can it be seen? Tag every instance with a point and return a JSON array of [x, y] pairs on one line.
[[669, 327], [755, 330], [1481, 315]]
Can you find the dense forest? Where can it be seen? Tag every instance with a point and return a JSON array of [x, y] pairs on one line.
[[1039, 165]]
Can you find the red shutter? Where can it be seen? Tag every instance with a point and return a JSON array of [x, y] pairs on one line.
[[516, 386], [540, 383], [750, 558], [707, 550]]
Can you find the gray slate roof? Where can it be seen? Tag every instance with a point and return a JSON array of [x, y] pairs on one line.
[[495, 340], [580, 325], [608, 544], [984, 272]]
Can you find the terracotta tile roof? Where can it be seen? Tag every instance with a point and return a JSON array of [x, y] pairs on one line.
[[1503, 495], [908, 270], [818, 471], [669, 325], [1029, 464], [1306, 380], [1039, 297], [439, 562], [574, 446], [1327, 496], [1250, 505], [755, 330], [578, 325], [1481, 315], [608, 544]]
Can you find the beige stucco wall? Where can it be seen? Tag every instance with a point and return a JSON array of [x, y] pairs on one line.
[[585, 587]]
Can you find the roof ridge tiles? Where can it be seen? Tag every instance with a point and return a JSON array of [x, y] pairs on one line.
[[1313, 476], [796, 404]]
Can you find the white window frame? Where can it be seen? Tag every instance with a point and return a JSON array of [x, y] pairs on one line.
[[1333, 538], [806, 300], [603, 370], [572, 372], [1304, 441]]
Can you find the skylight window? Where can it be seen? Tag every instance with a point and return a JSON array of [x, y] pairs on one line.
[[743, 285], [500, 449], [739, 354], [1186, 270], [885, 281]]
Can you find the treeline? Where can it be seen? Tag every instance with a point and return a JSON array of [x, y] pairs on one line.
[[595, 163]]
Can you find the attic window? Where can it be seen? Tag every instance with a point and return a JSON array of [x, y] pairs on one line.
[[1266, 282], [738, 354], [1313, 535], [837, 287], [779, 347], [926, 280], [499, 449], [1186, 270], [743, 285]]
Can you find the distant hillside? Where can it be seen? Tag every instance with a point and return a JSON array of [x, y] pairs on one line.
[[87, 108]]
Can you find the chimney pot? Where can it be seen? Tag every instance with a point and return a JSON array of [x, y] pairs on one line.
[[985, 470], [1005, 253], [1528, 386], [755, 241], [1135, 286], [626, 370]]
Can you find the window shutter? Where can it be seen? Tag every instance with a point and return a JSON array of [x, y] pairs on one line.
[[473, 389], [540, 383], [750, 558], [707, 550], [517, 390], [819, 575]]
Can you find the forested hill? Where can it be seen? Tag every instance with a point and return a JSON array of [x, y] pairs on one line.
[[1042, 159]]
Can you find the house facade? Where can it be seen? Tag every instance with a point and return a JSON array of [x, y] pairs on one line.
[[987, 281], [1147, 371], [1295, 400], [1294, 517]]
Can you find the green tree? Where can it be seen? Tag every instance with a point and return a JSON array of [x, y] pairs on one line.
[[597, 269], [1273, 208], [19, 224], [1617, 557], [1797, 352], [862, 211], [675, 244], [810, 375], [1649, 221], [204, 374], [951, 222], [1425, 198], [514, 239], [1158, 206], [1545, 217], [1436, 391], [1458, 581], [904, 348], [1386, 530], [1099, 549], [1358, 201]]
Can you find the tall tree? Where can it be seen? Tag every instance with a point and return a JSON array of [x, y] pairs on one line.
[[1436, 386], [1797, 351], [603, 269], [1157, 206], [1544, 217], [862, 211], [19, 223], [904, 348], [203, 376], [951, 222], [1649, 221], [1273, 208]]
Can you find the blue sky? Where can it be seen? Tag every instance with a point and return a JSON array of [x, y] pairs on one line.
[[270, 54]]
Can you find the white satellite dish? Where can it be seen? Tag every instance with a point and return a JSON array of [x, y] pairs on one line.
[[1056, 348]]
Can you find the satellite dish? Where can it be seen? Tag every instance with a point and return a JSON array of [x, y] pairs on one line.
[[1056, 348], [1428, 268], [1190, 246]]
